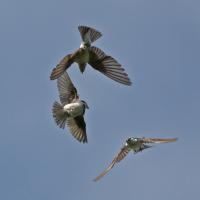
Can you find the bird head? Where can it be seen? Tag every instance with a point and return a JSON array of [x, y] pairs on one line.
[[132, 141]]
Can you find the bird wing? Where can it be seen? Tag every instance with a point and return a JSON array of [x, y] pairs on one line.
[[67, 91], [77, 128], [107, 65], [121, 155], [88, 34], [64, 64], [158, 140]]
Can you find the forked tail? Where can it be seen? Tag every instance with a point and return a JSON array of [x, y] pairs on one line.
[[59, 115]]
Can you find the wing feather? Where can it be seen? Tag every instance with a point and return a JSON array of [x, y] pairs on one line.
[[64, 64], [120, 156], [77, 128], [67, 91], [158, 140], [108, 66]]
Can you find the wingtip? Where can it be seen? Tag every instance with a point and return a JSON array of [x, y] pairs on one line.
[[53, 75], [85, 141], [168, 140], [130, 83], [51, 78], [171, 140], [174, 139], [127, 83], [95, 180]]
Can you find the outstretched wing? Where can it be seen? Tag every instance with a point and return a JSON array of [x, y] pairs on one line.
[[64, 64], [67, 91], [121, 155], [108, 66], [88, 34], [77, 128], [158, 140]]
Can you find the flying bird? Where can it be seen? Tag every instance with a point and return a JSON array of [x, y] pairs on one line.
[[136, 145], [95, 57], [71, 110]]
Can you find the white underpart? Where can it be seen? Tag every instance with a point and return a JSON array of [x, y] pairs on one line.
[[82, 46], [74, 109]]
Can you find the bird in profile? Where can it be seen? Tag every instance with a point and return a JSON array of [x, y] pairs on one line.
[[136, 145], [95, 57], [71, 110]]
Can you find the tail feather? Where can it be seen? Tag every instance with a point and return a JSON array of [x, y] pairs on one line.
[[88, 34], [59, 115], [145, 146]]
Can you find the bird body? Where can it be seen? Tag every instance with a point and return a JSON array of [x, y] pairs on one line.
[[71, 110], [74, 109], [95, 57], [133, 145], [82, 58], [136, 145]]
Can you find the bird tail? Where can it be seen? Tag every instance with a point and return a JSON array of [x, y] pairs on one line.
[[94, 35], [88, 34], [59, 115], [145, 146]]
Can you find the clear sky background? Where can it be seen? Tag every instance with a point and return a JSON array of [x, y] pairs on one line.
[[158, 43]]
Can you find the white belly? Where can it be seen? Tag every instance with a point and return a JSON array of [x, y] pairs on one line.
[[74, 109]]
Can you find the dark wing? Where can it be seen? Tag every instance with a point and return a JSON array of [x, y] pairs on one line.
[[158, 140], [77, 128], [67, 91], [108, 66], [121, 155], [88, 34], [64, 64]]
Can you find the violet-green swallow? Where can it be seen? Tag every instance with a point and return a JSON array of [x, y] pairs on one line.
[[71, 110], [93, 56], [136, 145]]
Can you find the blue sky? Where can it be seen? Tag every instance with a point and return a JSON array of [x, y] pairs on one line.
[[158, 43]]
